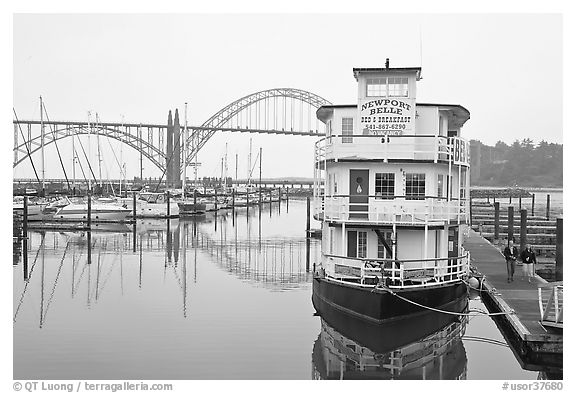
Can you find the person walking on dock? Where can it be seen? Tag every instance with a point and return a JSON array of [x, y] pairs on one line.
[[528, 260], [511, 255]]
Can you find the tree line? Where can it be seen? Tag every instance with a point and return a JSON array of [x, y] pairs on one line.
[[520, 164]]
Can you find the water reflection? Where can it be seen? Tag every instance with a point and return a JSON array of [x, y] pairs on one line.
[[88, 262], [425, 347]]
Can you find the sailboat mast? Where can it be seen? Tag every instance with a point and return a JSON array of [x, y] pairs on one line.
[[225, 164], [73, 163], [89, 180], [43, 169], [121, 164], [185, 155], [249, 161], [99, 154]]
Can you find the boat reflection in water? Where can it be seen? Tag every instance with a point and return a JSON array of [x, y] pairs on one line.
[[428, 346]]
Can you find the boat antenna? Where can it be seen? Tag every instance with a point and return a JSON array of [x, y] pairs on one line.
[[420, 31]]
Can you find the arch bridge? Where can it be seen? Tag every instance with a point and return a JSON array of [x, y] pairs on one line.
[[282, 111]]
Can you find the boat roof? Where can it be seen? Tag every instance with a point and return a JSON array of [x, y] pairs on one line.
[[389, 70]]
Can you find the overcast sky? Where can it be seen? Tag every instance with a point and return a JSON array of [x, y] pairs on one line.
[[505, 69]]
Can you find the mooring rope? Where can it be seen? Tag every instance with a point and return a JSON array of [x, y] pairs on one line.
[[485, 340], [479, 312]]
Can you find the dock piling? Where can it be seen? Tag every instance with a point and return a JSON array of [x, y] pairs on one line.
[[533, 195], [559, 248], [134, 236], [523, 221], [167, 204], [89, 210], [307, 254], [89, 247], [307, 216], [25, 219], [510, 223], [496, 222], [548, 207], [134, 207]]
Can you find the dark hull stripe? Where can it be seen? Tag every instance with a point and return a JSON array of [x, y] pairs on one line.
[[380, 307]]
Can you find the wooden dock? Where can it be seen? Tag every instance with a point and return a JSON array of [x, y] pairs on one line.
[[535, 347]]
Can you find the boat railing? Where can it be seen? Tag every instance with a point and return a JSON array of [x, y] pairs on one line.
[[551, 302], [408, 273], [395, 209], [429, 147]]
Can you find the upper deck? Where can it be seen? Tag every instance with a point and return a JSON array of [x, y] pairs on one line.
[[391, 159]]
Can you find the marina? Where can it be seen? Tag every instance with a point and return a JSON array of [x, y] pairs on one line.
[[200, 197], [383, 288], [151, 312]]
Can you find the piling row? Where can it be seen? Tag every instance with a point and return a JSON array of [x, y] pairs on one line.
[[542, 233]]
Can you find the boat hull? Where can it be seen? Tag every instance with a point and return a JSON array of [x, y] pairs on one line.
[[379, 307], [98, 213], [190, 208], [156, 210]]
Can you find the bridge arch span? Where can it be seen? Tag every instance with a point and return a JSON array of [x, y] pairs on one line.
[[151, 152], [234, 109]]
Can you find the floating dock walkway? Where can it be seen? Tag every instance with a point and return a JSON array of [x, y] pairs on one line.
[[535, 347]]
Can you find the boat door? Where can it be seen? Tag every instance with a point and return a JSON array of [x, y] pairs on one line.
[[453, 250], [352, 244], [359, 182]]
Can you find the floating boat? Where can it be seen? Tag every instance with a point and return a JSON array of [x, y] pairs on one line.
[[155, 205], [78, 211], [35, 208], [189, 207], [391, 189]]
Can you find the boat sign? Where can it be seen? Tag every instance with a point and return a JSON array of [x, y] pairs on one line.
[[386, 116], [461, 151]]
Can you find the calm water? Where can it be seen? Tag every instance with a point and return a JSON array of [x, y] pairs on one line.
[[212, 298]]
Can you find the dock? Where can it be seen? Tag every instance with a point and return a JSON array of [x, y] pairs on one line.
[[536, 347]]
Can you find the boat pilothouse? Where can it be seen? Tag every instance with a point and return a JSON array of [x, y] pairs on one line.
[[392, 192]]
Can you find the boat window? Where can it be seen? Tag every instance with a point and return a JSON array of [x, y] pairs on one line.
[[415, 185], [331, 250], [387, 87], [362, 243], [463, 184], [398, 87], [347, 129], [384, 185], [376, 87], [440, 185]]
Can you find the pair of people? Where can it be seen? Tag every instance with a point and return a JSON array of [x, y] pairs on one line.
[[527, 257]]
